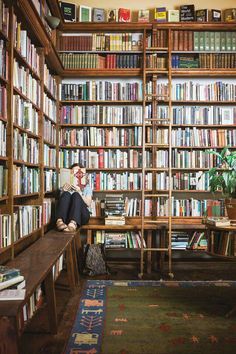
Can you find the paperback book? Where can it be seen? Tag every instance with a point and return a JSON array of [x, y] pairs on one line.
[[7, 273], [173, 15], [99, 15], [215, 15], [143, 16], [124, 15], [160, 14], [12, 294], [202, 15], [68, 11]]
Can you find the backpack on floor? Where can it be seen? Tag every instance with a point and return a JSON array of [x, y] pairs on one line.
[[94, 260]]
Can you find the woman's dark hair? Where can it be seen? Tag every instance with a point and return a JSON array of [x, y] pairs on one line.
[[76, 165]]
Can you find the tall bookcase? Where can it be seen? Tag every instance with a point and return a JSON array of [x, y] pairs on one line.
[[29, 109], [186, 73]]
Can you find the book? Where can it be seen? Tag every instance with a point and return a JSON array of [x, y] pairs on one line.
[[160, 14], [173, 15], [187, 13], [124, 15], [143, 16], [99, 15], [68, 11], [112, 15], [215, 15], [230, 15], [218, 222], [12, 294], [10, 282], [201, 15], [7, 273], [85, 13]]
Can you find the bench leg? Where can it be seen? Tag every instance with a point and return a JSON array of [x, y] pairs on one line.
[[70, 267], [8, 336], [51, 302]]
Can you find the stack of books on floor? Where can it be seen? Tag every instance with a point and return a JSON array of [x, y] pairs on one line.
[[179, 240], [12, 284], [114, 209]]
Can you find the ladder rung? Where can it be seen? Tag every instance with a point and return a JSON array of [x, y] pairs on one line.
[[156, 249], [159, 145], [154, 222], [156, 195], [157, 119], [154, 95]]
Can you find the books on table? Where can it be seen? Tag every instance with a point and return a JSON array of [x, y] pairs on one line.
[[218, 222]]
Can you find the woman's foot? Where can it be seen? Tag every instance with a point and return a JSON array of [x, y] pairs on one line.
[[60, 225], [72, 226]]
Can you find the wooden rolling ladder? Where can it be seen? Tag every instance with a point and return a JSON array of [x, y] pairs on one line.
[[153, 145]]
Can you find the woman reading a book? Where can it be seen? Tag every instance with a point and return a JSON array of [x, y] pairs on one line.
[[74, 201]]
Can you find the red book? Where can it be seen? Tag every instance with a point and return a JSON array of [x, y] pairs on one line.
[[100, 158], [97, 182], [124, 15]]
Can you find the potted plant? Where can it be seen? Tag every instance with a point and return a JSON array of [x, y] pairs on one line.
[[223, 178]]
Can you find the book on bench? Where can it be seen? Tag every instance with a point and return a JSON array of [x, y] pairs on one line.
[[10, 282], [12, 294]]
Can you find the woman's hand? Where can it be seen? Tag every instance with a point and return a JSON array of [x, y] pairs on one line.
[[66, 187]]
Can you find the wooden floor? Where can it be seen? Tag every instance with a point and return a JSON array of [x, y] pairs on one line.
[[43, 343]]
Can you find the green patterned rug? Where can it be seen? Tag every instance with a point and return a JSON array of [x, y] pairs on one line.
[[156, 318]]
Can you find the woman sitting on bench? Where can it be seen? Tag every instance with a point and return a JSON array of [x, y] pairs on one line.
[[74, 201]]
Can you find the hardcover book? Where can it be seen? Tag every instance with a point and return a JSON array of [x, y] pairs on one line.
[[202, 15], [99, 15], [187, 13], [215, 15], [112, 15], [160, 14], [68, 11], [173, 15], [230, 15], [7, 273], [143, 16], [85, 13], [124, 15]]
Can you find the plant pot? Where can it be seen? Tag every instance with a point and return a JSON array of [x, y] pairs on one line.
[[231, 208]]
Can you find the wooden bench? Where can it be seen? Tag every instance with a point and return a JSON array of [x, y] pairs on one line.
[[37, 265]]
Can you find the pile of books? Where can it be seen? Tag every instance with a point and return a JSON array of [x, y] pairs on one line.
[[114, 209], [217, 221], [11, 278]]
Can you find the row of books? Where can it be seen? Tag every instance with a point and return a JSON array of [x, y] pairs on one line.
[[102, 42], [155, 61], [96, 61], [49, 107], [182, 181], [35, 301], [102, 91], [92, 136], [215, 41], [180, 207], [3, 102], [196, 91], [4, 18], [131, 239], [25, 115], [50, 180], [204, 61], [50, 81], [25, 148], [3, 180], [224, 243], [3, 139], [203, 137], [218, 61], [115, 181], [24, 46], [48, 210], [185, 207], [27, 218], [204, 115], [49, 131], [105, 158], [26, 84], [97, 114], [49, 156], [26, 180], [3, 60]]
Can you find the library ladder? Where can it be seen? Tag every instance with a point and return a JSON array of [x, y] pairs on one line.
[[153, 70]]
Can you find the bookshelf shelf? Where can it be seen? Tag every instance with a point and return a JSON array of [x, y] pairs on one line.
[[102, 73], [50, 167], [21, 162], [23, 62], [203, 72], [100, 125], [49, 118], [201, 147], [189, 102], [30, 195], [3, 158], [48, 92], [49, 143], [29, 133], [121, 102]]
